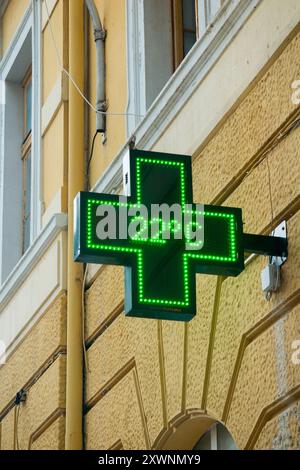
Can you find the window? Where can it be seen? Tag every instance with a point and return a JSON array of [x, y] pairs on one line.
[[184, 28], [160, 34], [26, 162], [20, 142], [217, 438], [190, 21], [150, 39]]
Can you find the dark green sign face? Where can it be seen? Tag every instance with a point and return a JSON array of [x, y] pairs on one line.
[[159, 269]]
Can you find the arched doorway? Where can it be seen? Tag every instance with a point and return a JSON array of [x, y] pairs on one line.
[[194, 429]]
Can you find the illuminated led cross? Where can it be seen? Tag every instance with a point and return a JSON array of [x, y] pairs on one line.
[[159, 273]]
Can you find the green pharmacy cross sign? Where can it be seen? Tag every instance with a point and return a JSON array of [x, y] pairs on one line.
[[163, 252]]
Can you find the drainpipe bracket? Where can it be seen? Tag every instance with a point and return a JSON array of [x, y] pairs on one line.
[[102, 106], [99, 34]]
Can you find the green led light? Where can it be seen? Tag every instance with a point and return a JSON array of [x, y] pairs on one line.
[[156, 239], [135, 251]]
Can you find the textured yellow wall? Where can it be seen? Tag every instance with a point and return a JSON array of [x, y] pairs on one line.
[[233, 361], [55, 155], [146, 378], [39, 365], [282, 431], [55, 143], [12, 18], [51, 66], [53, 438]]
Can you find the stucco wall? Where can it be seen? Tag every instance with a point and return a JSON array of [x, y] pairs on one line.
[[12, 17], [233, 361], [148, 379], [38, 365], [55, 108]]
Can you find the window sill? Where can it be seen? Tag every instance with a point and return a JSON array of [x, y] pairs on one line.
[[57, 224]]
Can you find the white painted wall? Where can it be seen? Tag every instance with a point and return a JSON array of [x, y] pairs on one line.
[[42, 285]]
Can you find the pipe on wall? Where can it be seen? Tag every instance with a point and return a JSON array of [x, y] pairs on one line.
[[74, 379], [99, 35]]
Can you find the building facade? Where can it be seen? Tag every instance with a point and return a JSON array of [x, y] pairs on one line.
[[217, 80]]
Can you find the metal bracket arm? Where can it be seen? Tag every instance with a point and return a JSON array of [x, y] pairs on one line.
[[264, 245]]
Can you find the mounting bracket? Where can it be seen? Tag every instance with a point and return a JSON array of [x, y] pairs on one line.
[[275, 246]]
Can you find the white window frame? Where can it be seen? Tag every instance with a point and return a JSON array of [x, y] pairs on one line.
[[206, 18], [141, 69], [146, 70], [31, 22]]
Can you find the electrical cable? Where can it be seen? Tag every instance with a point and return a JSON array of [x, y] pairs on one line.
[[270, 191], [265, 155], [86, 266], [83, 319], [16, 424], [269, 294], [292, 126], [60, 63], [88, 162], [90, 158], [280, 137]]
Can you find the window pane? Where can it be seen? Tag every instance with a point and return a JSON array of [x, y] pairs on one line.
[[189, 40], [28, 107], [27, 202], [27, 183], [189, 25], [189, 16], [26, 241]]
